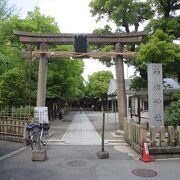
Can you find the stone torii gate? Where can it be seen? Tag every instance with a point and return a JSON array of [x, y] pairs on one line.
[[118, 40]]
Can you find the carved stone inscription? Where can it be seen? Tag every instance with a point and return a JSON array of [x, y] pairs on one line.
[[155, 95]]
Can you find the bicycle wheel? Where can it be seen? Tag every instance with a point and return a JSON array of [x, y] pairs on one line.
[[45, 137], [34, 141]]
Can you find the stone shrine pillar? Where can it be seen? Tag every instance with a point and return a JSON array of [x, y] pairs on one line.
[[120, 82], [42, 77], [155, 95]]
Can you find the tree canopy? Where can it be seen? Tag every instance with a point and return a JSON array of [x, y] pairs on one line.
[[124, 13], [162, 28], [97, 86], [65, 80], [64, 76], [13, 87], [159, 49], [166, 7], [6, 10]]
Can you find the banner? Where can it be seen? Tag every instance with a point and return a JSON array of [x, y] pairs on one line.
[[41, 113]]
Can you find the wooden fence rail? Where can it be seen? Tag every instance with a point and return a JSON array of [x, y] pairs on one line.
[[165, 141], [13, 130]]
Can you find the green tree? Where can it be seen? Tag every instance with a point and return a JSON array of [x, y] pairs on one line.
[[159, 49], [176, 95], [13, 87], [124, 13], [65, 80], [169, 25], [166, 7], [64, 77], [11, 46], [36, 22], [6, 10], [98, 84], [172, 114], [138, 84], [104, 48], [168, 19]]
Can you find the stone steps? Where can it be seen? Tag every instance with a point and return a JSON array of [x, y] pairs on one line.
[[56, 142]]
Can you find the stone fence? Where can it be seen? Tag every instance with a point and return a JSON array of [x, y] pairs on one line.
[[162, 143]]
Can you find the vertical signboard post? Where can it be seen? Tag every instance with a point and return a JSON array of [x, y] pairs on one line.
[[155, 95]]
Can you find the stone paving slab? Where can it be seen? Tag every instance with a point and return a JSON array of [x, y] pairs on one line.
[[81, 132]]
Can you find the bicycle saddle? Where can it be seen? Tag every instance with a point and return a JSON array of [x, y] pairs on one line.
[[31, 126]]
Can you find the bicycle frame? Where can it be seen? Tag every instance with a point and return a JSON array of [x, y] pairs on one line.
[[39, 136]]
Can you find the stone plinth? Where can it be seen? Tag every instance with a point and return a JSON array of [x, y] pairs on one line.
[[102, 155], [39, 155], [171, 136], [162, 136], [178, 135]]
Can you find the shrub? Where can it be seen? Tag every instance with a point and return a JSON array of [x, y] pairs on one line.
[[172, 114]]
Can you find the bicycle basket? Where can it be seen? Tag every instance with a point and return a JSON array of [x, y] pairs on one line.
[[45, 126]]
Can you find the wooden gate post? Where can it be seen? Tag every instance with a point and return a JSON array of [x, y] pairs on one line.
[[121, 95], [42, 76]]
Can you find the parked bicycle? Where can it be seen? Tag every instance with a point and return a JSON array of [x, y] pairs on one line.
[[38, 135]]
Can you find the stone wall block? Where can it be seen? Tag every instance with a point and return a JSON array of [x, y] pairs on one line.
[[153, 135], [171, 134], [178, 136], [143, 130], [162, 136]]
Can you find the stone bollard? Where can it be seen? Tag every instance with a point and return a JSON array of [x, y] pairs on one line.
[[178, 136], [131, 121], [171, 136], [157, 139], [143, 130], [136, 129], [153, 135], [125, 127], [26, 136], [39, 155], [162, 136]]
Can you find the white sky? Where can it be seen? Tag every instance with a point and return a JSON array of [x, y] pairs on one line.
[[72, 16]]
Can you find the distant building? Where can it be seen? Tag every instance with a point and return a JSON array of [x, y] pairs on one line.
[[137, 102]]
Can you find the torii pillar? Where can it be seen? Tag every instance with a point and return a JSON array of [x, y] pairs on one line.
[[42, 77], [120, 83]]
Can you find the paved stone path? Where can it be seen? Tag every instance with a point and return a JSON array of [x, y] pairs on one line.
[[81, 132]]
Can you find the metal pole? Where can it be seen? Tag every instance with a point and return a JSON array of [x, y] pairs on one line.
[[115, 112], [103, 125], [103, 154], [139, 111], [107, 109]]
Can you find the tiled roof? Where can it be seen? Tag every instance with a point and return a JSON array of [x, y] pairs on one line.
[[169, 86]]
